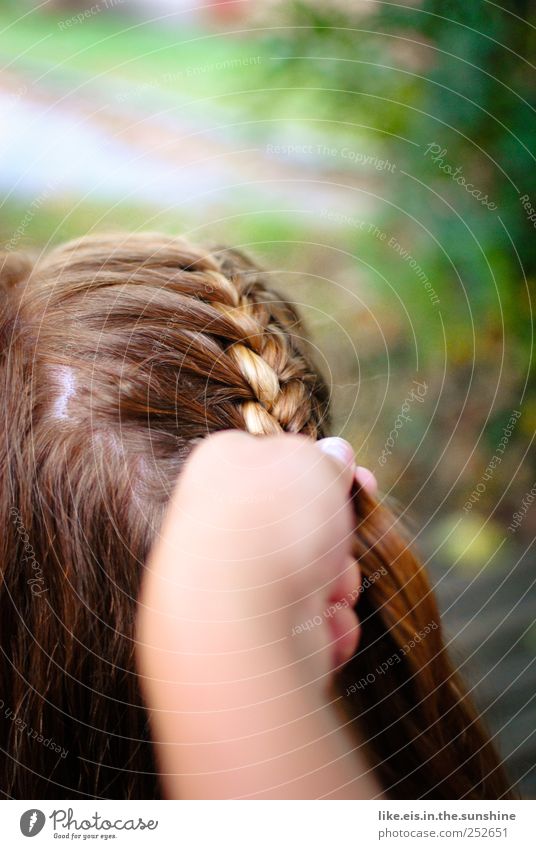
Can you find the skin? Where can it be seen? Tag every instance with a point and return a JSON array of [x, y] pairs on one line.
[[255, 543]]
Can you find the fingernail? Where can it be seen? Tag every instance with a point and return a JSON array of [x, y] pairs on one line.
[[338, 448], [366, 479]]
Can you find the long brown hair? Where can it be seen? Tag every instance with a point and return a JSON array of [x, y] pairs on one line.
[[118, 354]]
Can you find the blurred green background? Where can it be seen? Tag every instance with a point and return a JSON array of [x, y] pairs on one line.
[[380, 158]]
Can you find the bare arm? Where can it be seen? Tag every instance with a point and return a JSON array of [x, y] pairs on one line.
[[238, 694]]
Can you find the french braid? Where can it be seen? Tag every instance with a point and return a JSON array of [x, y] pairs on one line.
[[285, 391]]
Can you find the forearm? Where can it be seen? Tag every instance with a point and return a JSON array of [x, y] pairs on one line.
[[308, 758], [249, 722]]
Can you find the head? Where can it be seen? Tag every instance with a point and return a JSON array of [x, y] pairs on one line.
[[118, 355]]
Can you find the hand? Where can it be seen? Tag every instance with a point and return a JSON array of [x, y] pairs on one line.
[[259, 531], [255, 544]]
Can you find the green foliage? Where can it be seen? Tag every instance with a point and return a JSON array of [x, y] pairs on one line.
[[457, 75]]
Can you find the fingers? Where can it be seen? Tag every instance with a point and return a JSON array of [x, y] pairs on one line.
[[345, 633], [345, 587], [365, 478], [342, 453], [339, 613]]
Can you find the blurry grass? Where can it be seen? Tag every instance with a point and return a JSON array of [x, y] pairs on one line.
[[176, 59], [242, 71], [60, 219], [64, 218]]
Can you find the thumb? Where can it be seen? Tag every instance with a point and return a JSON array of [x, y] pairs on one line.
[[342, 454]]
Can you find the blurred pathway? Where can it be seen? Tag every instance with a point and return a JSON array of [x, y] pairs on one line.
[[116, 142]]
